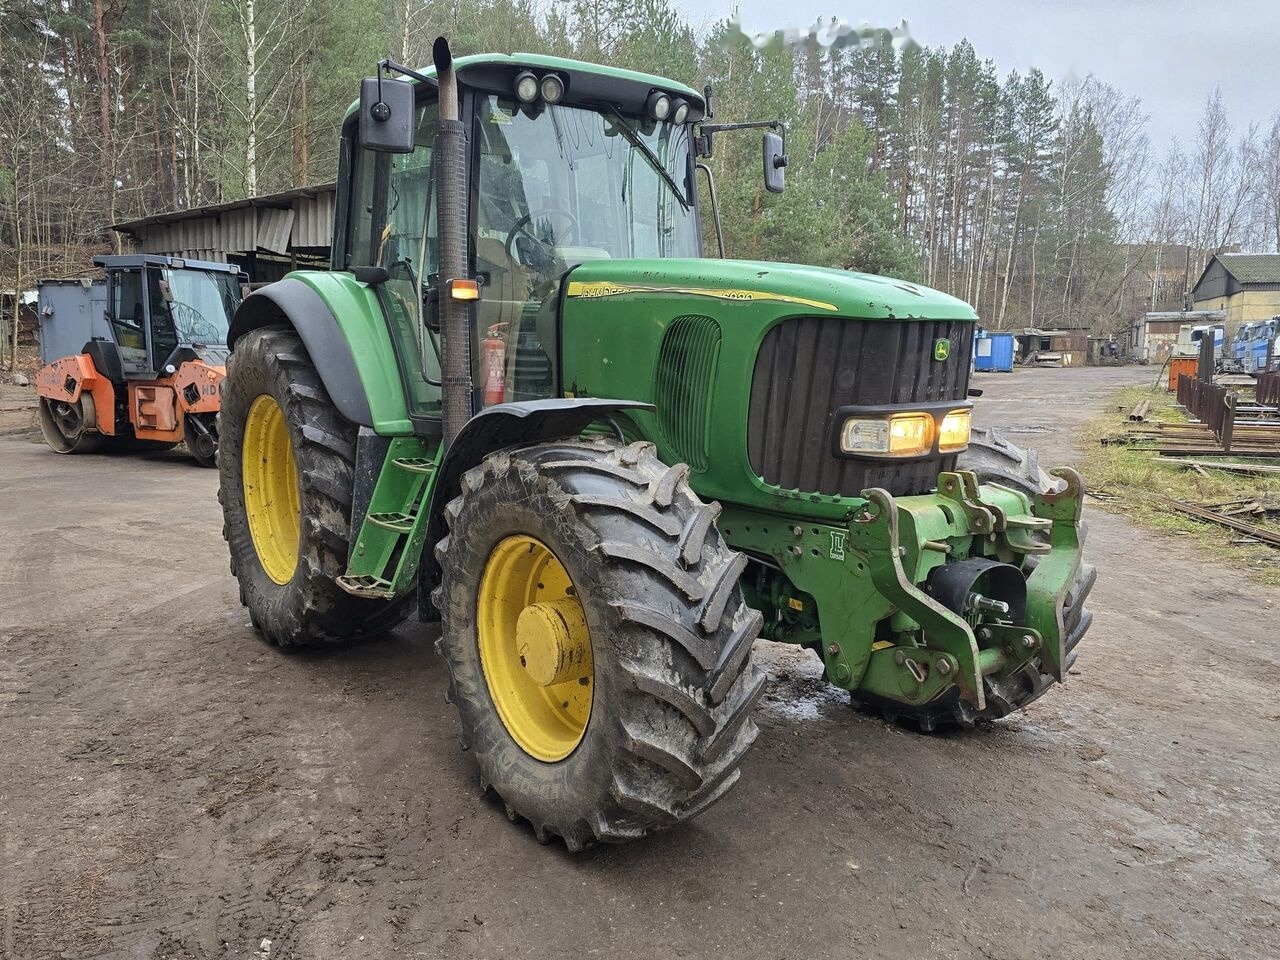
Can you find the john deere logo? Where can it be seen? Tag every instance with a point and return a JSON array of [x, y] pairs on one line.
[[941, 349]]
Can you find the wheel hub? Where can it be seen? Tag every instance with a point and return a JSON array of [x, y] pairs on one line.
[[271, 499], [535, 648], [553, 641]]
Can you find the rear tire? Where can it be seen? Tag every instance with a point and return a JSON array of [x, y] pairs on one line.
[[995, 460], [309, 609], [670, 638]]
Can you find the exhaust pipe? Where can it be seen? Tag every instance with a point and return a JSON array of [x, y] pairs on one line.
[[451, 185]]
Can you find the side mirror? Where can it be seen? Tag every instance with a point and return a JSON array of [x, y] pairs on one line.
[[775, 163], [386, 115]]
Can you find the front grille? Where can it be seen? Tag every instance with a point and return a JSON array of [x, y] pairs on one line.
[[809, 367]]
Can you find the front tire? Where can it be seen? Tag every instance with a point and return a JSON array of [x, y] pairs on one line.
[[647, 723], [285, 484]]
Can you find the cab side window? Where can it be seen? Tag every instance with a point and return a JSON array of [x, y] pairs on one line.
[[127, 314]]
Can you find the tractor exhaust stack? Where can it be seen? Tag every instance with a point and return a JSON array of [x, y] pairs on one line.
[[451, 185]]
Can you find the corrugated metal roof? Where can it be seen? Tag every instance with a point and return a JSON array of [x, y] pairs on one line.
[[1252, 267], [274, 229], [300, 219], [313, 220]]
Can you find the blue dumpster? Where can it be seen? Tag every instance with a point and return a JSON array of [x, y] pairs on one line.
[[993, 352]]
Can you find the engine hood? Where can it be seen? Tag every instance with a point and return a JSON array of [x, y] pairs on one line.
[[816, 289]]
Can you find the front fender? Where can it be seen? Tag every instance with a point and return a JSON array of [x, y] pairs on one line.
[[341, 324], [495, 428]]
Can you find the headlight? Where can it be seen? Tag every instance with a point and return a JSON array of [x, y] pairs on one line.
[[658, 105], [526, 87], [954, 432], [552, 88], [902, 435]]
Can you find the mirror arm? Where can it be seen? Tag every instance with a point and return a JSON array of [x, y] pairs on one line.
[[390, 66], [777, 126]]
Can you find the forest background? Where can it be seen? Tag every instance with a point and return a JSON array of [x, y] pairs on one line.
[[1040, 201]]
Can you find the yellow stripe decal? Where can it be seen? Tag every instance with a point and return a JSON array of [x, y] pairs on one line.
[[606, 288]]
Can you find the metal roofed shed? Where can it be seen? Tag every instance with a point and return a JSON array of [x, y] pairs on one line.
[[1158, 332], [1244, 285], [265, 237], [1066, 346]]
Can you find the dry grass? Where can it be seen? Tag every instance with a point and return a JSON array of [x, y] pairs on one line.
[[1124, 478]]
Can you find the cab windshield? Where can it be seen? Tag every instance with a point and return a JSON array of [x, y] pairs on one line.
[[559, 185], [201, 304]]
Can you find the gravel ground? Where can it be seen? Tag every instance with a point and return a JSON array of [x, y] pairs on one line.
[[173, 787]]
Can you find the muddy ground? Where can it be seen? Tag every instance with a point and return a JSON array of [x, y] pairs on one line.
[[172, 787]]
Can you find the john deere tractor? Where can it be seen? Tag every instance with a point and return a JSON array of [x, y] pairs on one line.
[[524, 405]]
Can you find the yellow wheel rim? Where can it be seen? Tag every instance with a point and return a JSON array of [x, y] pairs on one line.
[[535, 648], [271, 489]]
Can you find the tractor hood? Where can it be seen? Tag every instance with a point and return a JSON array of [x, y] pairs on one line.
[[809, 289]]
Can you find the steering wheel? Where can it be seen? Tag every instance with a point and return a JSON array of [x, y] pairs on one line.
[[523, 227], [192, 326]]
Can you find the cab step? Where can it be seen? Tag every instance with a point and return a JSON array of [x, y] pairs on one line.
[[415, 464], [366, 586], [400, 522], [389, 543]]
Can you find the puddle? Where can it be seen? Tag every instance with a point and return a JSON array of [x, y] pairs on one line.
[[797, 691], [803, 706]]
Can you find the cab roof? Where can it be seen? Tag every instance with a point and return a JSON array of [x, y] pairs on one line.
[[591, 82], [126, 260]]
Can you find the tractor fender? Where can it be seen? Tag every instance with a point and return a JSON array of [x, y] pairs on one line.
[[293, 302], [495, 428]]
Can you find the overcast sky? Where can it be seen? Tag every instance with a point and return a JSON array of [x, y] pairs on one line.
[[1171, 53]]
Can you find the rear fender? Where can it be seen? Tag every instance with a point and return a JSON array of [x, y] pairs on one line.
[[341, 324], [499, 427]]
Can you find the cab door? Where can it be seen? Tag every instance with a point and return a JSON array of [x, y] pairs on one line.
[[161, 332], [393, 225], [127, 314]]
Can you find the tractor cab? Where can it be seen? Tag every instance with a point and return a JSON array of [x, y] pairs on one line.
[[1262, 346], [163, 310], [567, 164]]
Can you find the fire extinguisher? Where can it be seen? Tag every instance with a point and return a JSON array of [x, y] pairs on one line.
[[494, 352]]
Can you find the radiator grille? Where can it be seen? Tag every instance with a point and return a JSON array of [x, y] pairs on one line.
[[810, 366], [686, 374]]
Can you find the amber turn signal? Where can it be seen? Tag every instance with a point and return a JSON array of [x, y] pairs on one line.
[[953, 435], [464, 289]]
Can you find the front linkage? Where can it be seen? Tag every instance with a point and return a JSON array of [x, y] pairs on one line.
[[916, 599]]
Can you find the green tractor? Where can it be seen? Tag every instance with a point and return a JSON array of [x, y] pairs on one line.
[[524, 405]]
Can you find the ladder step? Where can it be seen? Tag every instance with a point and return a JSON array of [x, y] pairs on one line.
[[415, 464], [365, 586], [399, 522]]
